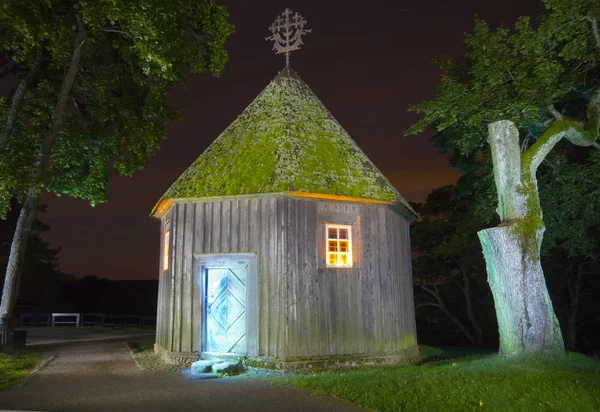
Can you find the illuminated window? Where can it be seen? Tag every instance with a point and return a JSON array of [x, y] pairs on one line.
[[339, 249], [166, 249]]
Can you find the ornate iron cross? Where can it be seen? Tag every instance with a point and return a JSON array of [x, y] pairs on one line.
[[287, 34]]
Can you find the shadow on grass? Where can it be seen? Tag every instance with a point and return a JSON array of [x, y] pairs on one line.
[[429, 354], [142, 344]]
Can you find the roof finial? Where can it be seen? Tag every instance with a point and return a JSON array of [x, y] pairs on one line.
[[287, 30]]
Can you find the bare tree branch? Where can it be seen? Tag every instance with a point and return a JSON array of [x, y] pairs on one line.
[[557, 115], [441, 304], [420, 305], [111, 30]]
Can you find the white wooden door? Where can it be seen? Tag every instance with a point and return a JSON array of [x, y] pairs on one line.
[[225, 305]]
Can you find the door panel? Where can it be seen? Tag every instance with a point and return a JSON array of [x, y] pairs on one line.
[[225, 304]]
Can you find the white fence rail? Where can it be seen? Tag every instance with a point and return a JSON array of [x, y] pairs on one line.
[[59, 319], [85, 319]]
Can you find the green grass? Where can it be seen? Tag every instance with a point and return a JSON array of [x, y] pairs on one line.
[[480, 382], [15, 367]]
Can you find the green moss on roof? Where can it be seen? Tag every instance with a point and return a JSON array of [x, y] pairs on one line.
[[285, 140]]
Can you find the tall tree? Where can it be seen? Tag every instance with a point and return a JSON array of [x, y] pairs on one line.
[[92, 97], [513, 78]]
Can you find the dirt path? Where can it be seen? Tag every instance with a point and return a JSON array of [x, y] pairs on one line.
[[101, 376]]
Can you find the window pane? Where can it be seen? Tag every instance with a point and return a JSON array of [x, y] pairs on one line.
[[332, 233], [344, 259], [343, 245], [338, 252], [333, 247], [166, 252], [332, 258]]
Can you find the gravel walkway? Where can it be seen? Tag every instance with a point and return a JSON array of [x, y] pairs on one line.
[[100, 375]]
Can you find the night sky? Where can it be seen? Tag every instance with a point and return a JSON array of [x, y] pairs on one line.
[[366, 60]]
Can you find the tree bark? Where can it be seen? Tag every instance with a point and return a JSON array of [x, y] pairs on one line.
[[17, 101], [29, 209], [526, 320], [15, 260]]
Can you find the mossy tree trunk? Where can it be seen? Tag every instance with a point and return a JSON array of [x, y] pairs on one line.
[[526, 319]]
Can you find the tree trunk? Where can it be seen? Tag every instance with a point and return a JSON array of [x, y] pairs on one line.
[[15, 260], [526, 320], [29, 209]]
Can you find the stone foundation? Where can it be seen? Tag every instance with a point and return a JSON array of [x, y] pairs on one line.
[[322, 363], [175, 358], [300, 364]]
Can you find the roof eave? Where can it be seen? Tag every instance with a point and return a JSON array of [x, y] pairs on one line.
[[165, 204], [161, 207]]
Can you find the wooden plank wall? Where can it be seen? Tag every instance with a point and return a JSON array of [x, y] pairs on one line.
[[301, 307], [233, 226], [164, 306], [364, 310]]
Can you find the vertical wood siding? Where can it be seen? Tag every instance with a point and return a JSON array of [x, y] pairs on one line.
[[297, 306]]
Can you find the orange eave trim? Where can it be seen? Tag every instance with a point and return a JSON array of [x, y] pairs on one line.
[[337, 198], [161, 208]]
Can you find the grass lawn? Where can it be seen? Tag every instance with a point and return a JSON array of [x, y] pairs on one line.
[[480, 382], [15, 366]]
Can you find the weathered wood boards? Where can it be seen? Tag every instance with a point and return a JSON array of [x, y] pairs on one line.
[[297, 306]]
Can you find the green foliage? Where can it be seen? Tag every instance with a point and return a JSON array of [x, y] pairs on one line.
[[483, 382], [570, 195], [530, 75], [514, 75], [117, 114], [447, 231], [15, 366]]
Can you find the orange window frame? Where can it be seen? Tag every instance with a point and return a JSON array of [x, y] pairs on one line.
[[338, 241], [166, 251]]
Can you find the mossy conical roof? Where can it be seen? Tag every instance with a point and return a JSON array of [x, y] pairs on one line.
[[285, 140]]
